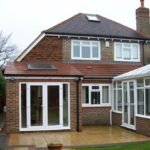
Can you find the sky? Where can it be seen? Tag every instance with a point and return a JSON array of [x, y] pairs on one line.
[[25, 19]]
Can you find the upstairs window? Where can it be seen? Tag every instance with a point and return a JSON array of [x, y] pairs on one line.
[[126, 52], [85, 50]]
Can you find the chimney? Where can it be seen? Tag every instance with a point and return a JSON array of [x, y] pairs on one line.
[[143, 19]]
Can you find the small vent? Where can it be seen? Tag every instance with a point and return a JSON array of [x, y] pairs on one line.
[[93, 18], [41, 67]]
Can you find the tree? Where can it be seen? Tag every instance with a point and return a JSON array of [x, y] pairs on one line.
[[8, 51]]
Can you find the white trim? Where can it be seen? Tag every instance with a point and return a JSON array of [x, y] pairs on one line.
[[41, 77], [90, 46], [119, 112], [142, 116], [29, 48], [96, 105], [122, 50], [93, 37]]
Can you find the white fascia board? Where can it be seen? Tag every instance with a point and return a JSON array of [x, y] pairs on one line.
[[41, 77], [29, 48]]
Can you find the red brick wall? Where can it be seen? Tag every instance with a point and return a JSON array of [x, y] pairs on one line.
[[12, 103], [143, 126], [48, 49], [96, 115], [116, 119]]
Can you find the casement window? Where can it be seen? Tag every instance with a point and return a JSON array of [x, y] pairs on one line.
[[85, 50], [143, 97], [126, 52], [117, 96], [95, 95]]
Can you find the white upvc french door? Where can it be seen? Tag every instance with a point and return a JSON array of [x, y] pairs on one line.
[[44, 106], [129, 96]]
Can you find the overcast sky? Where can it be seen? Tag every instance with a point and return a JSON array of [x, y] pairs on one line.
[[25, 19]]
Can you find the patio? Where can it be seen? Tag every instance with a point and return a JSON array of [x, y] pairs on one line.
[[88, 137]]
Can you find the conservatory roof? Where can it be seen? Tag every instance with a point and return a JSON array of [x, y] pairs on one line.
[[137, 73]]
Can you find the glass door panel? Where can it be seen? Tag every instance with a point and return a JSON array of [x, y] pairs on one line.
[[36, 103], [131, 88], [53, 105], [125, 102]]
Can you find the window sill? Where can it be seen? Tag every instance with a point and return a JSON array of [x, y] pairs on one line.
[[119, 112], [143, 116], [126, 60], [104, 105], [75, 58]]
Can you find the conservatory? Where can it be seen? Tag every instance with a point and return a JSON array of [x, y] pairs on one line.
[[131, 99]]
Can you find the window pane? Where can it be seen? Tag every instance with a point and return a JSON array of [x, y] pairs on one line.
[[105, 94], [95, 97], [140, 101], [119, 96], [140, 83], [65, 105], [85, 52], [147, 82], [135, 51], [23, 106], [118, 51], [85, 95], [36, 106], [95, 87], [53, 105], [119, 85], [147, 99], [127, 53], [76, 51]]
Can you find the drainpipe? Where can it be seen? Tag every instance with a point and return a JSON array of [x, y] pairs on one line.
[[77, 108]]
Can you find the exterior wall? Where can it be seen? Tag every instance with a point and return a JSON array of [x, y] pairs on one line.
[[47, 50], [116, 119], [96, 115], [12, 103], [147, 53], [107, 53], [143, 126]]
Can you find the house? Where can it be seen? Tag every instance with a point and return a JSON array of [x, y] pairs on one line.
[[65, 79]]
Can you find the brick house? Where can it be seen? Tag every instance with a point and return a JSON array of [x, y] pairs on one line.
[[64, 79]]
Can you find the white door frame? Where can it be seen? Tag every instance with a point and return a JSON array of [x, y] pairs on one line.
[[44, 105], [129, 125]]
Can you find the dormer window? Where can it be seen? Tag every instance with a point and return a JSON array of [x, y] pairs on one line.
[[126, 52], [85, 50]]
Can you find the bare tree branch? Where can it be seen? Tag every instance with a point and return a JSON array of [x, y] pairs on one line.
[[7, 50]]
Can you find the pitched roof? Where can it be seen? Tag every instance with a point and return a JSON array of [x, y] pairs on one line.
[[21, 69], [137, 73], [104, 70], [79, 25]]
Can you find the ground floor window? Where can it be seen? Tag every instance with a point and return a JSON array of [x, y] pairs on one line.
[[95, 94], [44, 106], [117, 96], [143, 97]]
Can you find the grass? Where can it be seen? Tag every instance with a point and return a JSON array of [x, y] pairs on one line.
[[135, 146]]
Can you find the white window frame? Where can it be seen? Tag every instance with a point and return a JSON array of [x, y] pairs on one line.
[[44, 85], [100, 89], [116, 110], [131, 48], [81, 43]]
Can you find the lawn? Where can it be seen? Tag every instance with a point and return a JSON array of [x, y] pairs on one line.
[[135, 146]]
